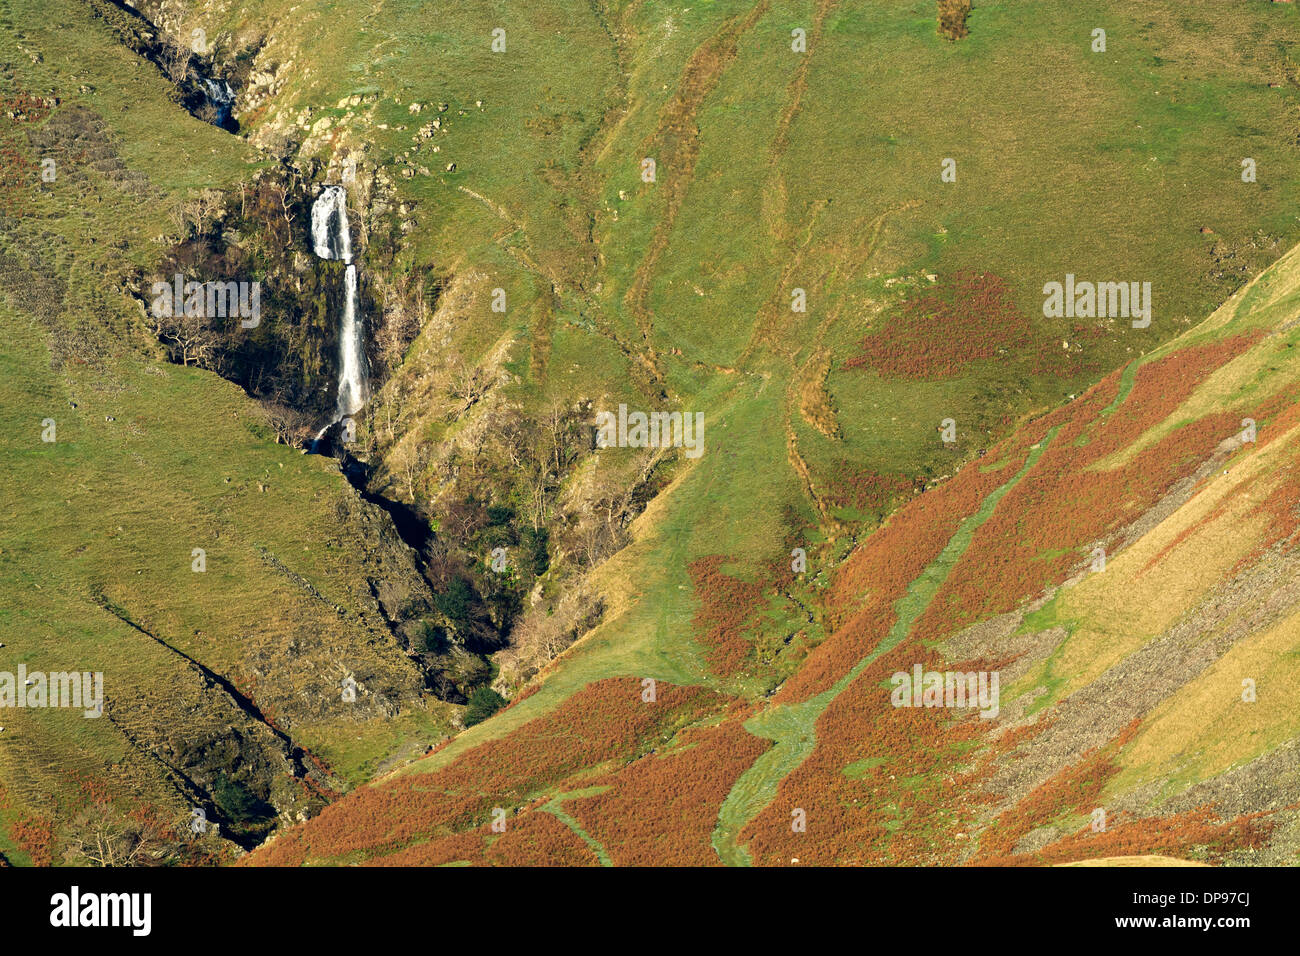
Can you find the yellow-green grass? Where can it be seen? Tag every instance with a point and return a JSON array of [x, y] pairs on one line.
[[1157, 579], [110, 513], [1209, 727], [1103, 165]]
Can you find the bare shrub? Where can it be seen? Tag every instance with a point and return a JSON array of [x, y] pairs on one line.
[[544, 632], [952, 18], [291, 426], [188, 338], [176, 61]]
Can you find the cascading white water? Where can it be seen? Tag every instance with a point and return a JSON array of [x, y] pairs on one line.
[[352, 371], [220, 97], [331, 239], [329, 224]]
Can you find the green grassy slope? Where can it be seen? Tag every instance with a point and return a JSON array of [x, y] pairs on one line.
[[775, 171], [149, 462], [823, 173], [1106, 676]]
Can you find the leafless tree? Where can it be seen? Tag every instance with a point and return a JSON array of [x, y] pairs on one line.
[[468, 383], [288, 423], [190, 336], [100, 835], [176, 60], [282, 189]]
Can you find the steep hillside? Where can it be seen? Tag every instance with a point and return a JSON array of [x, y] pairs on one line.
[[152, 530], [1125, 564], [821, 229]]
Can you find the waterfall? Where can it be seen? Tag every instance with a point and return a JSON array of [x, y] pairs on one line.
[[352, 357], [221, 98], [330, 236], [331, 239]]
